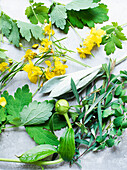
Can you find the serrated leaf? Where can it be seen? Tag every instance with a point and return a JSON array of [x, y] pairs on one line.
[[28, 30], [15, 104], [58, 16], [41, 136], [37, 153], [78, 5], [117, 42], [110, 47], [6, 25], [41, 12], [14, 35], [36, 113], [120, 35]]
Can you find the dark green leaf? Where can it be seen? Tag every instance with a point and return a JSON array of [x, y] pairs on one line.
[[84, 142], [41, 136], [67, 145], [73, 86], [73, 115], [108, 99], [118, 121], [118, 90], [40, 13], [37, 153], [110, 142], [124, 124], [124, 99]]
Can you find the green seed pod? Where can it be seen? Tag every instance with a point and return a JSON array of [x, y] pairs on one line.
[[62, 106]]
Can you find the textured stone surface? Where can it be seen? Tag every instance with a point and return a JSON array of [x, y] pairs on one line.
[[16, 141]]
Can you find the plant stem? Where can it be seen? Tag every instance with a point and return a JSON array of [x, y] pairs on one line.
[[67, 119], [39, 163], [36, 91]]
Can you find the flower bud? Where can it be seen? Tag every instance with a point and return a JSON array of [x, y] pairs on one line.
[[62, 106]]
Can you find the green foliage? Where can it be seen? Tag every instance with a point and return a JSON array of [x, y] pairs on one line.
[[41, 136], [3, 56], [73, 86], [15, 30], [59, 16], [37, 153], [78, 5], [22, 97], [113, 37], [2, 115], [28, 30], [38, 12], [67, 145], [36, 113]]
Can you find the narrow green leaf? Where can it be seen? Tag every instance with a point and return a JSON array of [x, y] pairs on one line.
[[73, 86], [99, 118]]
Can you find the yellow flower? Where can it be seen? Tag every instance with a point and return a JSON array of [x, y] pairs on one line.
[[91, 40], [33, 72], [2, 101], [46, 42], [48, 30], [3, 66], [83, 52], [35, 46], [43, 49], [29, 55], [56, 70]]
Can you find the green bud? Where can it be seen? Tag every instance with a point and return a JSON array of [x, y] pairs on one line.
[[62, 106]]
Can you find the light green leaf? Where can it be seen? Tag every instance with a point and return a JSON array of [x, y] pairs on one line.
[[73, 86], [107, 113], [37, 153], [36, 113], [78, 5], [27, 30], [99, 118], [2, 115], [58, 16], [41, 136], [14, 35], [110, 47]]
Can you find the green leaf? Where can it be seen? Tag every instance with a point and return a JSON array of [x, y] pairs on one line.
[[108, 99], [14, 35], [88, 17], [3, 56], [108, 28], [110, 47], [73, 86], [124, 124], [117, 42], [99, 118], [110, 142], [37, 153], [40, 13], [41, 136], [15, 104], [58, 16], [124, 99], [120, 35], [118, 90], [118, 121], [107, 113], [78, 5], [84, 142], [67, 145], [2, 115], [27, 30], [119, 133], [36, 113], [5, 25], [59, 122], [73, 115], [96, 1], [115, 105]]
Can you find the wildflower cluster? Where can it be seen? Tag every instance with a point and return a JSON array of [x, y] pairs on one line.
[[95, 38], [56, 69]]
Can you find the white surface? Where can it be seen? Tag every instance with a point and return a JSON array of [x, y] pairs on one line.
[[16, 141]]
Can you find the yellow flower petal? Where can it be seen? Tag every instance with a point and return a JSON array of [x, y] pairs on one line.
[[2, 101]]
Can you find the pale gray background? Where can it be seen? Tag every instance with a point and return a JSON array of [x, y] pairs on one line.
[[16, 141]]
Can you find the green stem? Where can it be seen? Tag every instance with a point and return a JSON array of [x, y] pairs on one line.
[[75, 30], [39, 163], [123, 25], [36, 91], [67, 119]]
